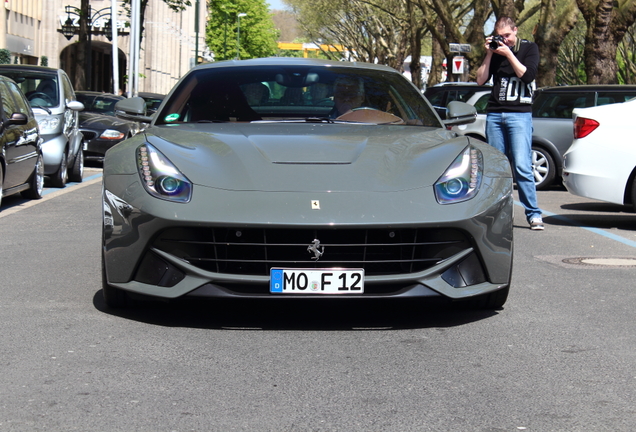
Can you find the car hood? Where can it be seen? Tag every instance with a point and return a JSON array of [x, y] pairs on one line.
[[305, 157], [99, 121]]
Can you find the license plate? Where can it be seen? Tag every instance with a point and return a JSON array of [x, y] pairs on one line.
[[316, 281]]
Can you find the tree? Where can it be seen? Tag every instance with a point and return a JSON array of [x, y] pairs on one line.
[[607, 22], [570, 65], [460, 22], [372, 31], [627, 58], [554, 24], [257, 36], [5, 56]]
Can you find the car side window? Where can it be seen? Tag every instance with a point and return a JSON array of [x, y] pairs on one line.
[[69, 94], [482, 104], [20, 102], [436, 99], [560, 105], [8, 103], [606, 98]]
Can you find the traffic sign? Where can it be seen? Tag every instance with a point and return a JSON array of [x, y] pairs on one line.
[[460, 48], [458, 65]]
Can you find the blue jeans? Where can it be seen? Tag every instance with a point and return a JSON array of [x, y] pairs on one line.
[[511, 134]]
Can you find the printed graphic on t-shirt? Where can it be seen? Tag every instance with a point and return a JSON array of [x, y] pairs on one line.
[[512, 89]]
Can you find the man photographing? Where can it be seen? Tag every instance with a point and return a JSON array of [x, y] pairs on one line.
[[512, 63]]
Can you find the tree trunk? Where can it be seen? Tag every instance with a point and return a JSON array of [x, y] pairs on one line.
[[83, 53], [607, 23]]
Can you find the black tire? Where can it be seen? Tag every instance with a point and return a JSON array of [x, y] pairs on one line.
[[77, 170], [1, 183], [60, 178], [543, 168], [36, 182], [633, 193], [114, 298]]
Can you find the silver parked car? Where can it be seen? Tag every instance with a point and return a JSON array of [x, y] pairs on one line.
[[302, 178], [51, 96]]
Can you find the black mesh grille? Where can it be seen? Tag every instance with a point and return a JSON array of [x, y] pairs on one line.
[[88, 135], [255, 251]]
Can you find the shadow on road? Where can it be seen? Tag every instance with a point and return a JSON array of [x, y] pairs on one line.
[[298, 314]]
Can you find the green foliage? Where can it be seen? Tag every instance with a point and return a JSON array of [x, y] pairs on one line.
[[44, 61], [257, 32], [5, 56], [570, 66]]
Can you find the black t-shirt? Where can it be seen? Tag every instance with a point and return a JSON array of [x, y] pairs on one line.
[[511, 93]]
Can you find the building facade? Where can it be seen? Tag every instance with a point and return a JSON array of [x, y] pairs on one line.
[[31, 31]]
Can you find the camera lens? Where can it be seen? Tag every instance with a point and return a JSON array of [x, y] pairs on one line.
[[494, 43]]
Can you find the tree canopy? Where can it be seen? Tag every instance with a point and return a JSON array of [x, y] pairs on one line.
[[240, 28], [386, 31]]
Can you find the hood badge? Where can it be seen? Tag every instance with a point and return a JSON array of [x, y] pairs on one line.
[[315, 248], [315, 205]]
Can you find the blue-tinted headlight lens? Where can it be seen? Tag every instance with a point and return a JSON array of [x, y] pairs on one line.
[[462, 179], [160, 177]]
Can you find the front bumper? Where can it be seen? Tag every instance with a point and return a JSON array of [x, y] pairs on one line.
[[161, 249], [95, 147]]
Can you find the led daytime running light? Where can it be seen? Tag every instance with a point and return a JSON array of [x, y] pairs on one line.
[[462, 179], [160, 178]]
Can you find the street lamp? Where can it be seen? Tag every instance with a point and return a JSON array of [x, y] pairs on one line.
[[68, 29], [238, 34]]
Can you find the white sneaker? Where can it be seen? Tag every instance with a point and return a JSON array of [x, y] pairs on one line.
[[536, 224]]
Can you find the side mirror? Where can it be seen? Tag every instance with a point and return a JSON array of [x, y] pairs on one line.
[[133, 109], [17, 119], [460, 113], [75, 106]]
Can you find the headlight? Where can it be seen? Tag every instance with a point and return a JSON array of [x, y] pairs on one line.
[[48, 123], [462, 179], [111, 134], [160, 177]]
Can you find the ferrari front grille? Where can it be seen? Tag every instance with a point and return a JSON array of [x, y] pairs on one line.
[[254, 251]]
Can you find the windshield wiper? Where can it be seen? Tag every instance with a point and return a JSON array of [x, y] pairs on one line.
[[319, 120], [42, 108]]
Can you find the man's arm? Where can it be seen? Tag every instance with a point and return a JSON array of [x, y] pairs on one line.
[[483, 73]]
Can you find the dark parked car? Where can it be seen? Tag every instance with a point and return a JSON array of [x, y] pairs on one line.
[[153, 101], [441, 95], [249, 183], [51, 95], [553, 124], [99, 126], [21, 161]]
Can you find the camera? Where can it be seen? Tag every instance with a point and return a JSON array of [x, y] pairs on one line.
[[494, 43]]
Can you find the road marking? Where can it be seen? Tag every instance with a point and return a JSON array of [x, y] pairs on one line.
[[50, 194], [598, 231]]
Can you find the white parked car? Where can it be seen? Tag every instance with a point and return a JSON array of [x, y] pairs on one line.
[[601, 162]]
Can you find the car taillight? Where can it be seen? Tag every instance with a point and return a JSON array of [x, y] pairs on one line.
[[584, 126]]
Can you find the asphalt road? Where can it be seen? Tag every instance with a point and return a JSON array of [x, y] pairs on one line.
[[560, 356]]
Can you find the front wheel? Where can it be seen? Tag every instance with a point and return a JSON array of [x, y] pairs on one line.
[[60, 178], [543, 168], [77, 170], [36, 182]]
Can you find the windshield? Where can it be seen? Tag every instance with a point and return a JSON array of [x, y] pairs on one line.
[[99, 104], [41, 90], [297, 93]]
